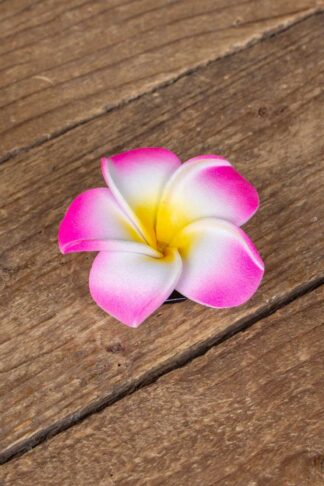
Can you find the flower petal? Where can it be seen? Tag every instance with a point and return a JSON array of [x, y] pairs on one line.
[[137, 178], [131, 286], [93, 218], [206, 186], [217, 160], [221, 266]]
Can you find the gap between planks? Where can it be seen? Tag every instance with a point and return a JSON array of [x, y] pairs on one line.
[[187, 72], [153, 375], [247, 412]]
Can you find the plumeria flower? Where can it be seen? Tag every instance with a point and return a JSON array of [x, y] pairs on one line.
[[162, 225]]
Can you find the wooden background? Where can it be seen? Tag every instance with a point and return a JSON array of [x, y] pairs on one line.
[[194, 396]]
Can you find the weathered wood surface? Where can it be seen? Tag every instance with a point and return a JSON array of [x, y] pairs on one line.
[[61, 356], [248, 412], [62, 63]]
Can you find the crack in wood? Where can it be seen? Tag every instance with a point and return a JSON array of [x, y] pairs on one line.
[[153, 375], [58, 133]]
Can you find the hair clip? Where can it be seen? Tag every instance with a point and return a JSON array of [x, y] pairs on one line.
[[162, 226]]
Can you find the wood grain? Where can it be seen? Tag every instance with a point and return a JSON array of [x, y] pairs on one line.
[[61, 356], [65, 62], [248, 412]]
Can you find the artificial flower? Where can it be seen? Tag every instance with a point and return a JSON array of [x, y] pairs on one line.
[[162, 225]]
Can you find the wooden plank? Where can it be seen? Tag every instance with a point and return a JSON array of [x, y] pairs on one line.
[[247, 412], [65, 62], [61, 356]]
